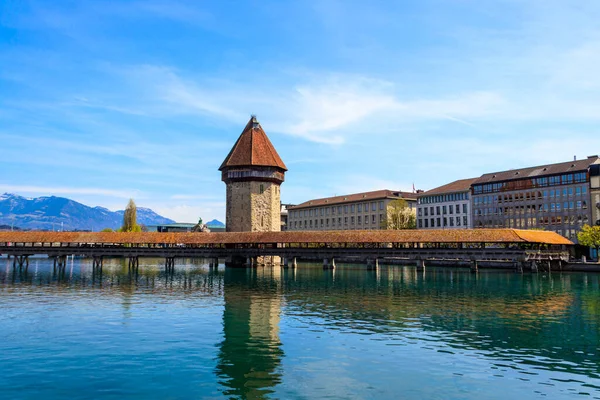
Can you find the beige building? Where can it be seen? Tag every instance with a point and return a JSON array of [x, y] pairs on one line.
[[253, 173], [367, 210], [446, 207], [554, 197]]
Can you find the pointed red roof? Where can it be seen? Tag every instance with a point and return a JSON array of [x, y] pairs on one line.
[[253, 148]]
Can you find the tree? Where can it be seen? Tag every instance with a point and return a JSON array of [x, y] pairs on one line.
[[400, 216], [130, 218], [107, 230], [590, 236]]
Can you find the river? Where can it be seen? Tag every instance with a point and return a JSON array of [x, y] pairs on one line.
[[303, 333]]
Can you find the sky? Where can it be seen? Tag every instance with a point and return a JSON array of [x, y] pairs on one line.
[[102, 101]]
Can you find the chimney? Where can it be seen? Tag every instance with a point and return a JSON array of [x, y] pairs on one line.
[[574, 158]]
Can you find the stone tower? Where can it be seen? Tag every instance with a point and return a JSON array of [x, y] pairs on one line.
[[253, 173]]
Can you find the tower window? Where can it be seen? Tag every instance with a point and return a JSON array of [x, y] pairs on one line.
[[262, 188]]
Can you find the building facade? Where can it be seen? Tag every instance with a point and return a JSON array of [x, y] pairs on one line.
[[367, 210], [446, 207], [253, 173], [595, 192], [554, 197]]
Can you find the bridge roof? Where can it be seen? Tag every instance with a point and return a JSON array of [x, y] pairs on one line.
[[381, 236]]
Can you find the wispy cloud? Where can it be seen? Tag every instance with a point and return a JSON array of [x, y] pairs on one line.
[[53, 190]]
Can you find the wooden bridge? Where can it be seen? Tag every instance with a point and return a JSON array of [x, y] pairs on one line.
[[519, 248]]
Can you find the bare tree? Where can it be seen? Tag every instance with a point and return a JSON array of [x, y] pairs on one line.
[[400, 216]]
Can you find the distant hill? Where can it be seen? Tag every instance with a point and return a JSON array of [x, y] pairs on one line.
[[52, 213], [215, 223]]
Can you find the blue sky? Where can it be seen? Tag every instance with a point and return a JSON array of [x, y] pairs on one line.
[[101, 101]]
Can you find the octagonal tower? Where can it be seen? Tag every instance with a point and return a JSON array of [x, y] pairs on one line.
[[253, 173]]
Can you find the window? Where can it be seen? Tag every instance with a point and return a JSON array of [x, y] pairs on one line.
[[381, 205], [451, 221], [345, 209], [439, 222], [437, 209], [359, 208], [352, 220], [457, 221], [464, 208], [465, 222], [373, 217], [366, 219], [373, 206], [420, 223], [360, 220], [345, 220], [352, 208], [445, 221], [262, 188], [458, 208], [426, 212], [420, 212]]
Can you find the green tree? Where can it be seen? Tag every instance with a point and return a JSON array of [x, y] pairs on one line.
[[590, 236], [107, 230], [400, 216], [130, 218]]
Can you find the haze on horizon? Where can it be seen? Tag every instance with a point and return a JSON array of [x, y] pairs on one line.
[[100, 102]]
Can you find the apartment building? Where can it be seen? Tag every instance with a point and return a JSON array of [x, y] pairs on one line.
[[353, 211], [555, 197], [446, 207]]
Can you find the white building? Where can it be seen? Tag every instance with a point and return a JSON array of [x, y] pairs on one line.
[[446, 207]]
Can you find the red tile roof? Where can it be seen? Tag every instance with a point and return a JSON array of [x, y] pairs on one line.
[[253, 148], [351, 198], [461, 185], [380, 236]]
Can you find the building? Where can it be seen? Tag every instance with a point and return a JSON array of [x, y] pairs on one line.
[[446, 207], [177, 227], [253, 173], [367, 210], [554, 197], [595, 193], [284, 216]]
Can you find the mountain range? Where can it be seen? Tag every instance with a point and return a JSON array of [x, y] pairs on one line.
[[56, 213]]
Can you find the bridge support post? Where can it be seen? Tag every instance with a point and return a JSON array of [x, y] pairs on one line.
[[420, 265], [534, 266], [474, 267], [21, 261], [251, 262], [134, 263], [294, 263], [170, 265], [327, 264], [97, 262], [285, 262], [372, 265]]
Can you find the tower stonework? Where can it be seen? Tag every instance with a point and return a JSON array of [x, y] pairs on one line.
[[253, 173]]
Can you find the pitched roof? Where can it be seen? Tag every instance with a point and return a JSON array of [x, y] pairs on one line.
[[351, 198], [461, 185], [253, 148], [379, 236], [541, 170]]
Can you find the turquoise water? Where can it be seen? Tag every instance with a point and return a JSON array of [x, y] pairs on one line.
[[296, 334]]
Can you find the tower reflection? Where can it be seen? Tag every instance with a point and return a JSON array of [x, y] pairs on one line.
[[250, 353]]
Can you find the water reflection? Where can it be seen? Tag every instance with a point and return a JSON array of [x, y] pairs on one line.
[[250, 354], [544, 329]]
